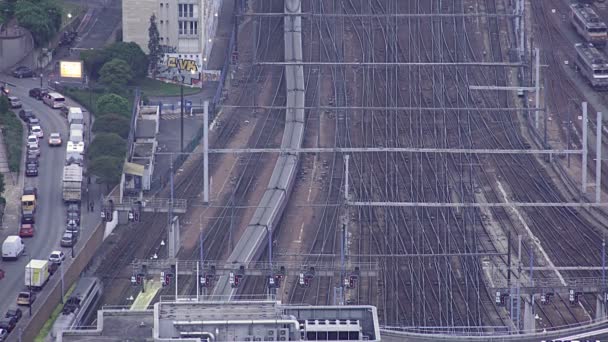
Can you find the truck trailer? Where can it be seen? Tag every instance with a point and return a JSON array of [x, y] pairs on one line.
[[72, 183]]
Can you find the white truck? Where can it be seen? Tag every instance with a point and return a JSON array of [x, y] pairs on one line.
[[72, 183], [75, 115], [76, 135], [36, 274]]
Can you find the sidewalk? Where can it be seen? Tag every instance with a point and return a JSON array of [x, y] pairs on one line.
[[13, 185]]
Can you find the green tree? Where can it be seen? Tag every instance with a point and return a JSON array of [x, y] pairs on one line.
[[113, 104], [112, 123], [107, 168], [41, 17], [129, 52], [116, 74], [107, 145], [153, 45], [2, 199]]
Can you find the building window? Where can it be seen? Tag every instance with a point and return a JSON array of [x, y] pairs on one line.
[[193, 27], [189, 27], [162, 21], [161, 5], [185, 10], [181, 27], [161, 39]]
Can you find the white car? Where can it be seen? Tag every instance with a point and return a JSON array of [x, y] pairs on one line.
[[32, 140], [37, 131], [55, 139], [57, 257], [73, 147]]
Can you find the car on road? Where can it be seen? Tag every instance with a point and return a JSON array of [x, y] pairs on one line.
[[74, 208], [57, 257], [68, 239], [72, 216], [38, 93], [28, 217], [32, 140], [37, 131], [15, 102], [8, 323], [22, 71], [14, 312], [33, 150], [73, 228], [3, 335], [1, 274], [26, 298], [55, 139], [25, 114], [31, 170], [30, 190], [26, 230], [33, 121]]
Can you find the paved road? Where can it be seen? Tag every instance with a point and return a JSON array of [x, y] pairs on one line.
[[50, 215]]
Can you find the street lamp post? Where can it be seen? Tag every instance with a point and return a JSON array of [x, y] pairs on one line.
[[181, 123], [72, 243], [41, 75], [30, 289]]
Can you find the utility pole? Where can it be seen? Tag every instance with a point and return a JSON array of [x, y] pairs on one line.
[[181, 120]]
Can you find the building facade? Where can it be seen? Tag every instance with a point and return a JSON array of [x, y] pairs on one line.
[[186, 29]]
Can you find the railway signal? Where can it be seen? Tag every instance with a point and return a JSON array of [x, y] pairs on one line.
[[545, 298], [573, 296], [501, 298], [131, 216]]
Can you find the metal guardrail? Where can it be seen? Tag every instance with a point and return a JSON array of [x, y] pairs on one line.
[[179, 205]]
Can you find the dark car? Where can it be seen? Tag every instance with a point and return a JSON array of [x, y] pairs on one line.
[[28, 217], [3, 335], [31, 170], [32, 159], [73, 216], [73, 228], [8, 323], [38, 93], [30, 190], [64, 111], [15, 312], [26, 114], [23, 71], [74, 208]]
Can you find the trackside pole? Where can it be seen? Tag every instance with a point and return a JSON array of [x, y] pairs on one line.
[[584, 143], [206, 152], [598, 158], [537, 85], [346, 158]]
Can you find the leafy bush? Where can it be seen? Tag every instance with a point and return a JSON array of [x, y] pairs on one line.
[[107, 144], [128, 52], [107, 168], [112, 123], [113, 104], [12, 133], [41, 17], [116, 74]]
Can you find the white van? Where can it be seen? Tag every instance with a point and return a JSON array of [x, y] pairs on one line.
[[54, 100], [76, 135], [74, 113], [12, 247]]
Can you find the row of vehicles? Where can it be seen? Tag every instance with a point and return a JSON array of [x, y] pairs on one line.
[[591, 60]]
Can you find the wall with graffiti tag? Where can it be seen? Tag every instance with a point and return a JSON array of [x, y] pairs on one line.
[[173, 67]]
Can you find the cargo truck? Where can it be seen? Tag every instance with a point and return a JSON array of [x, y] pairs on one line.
[[36, 274], [72, 183]]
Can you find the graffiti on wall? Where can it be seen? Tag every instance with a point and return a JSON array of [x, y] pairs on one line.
[[175, 67]]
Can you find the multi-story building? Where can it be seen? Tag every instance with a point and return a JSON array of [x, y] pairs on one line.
[[186, 29]]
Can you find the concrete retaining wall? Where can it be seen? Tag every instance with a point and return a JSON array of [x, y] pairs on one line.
[[15, 44]]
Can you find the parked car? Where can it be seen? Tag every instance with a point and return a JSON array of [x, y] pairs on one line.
[[3, 335], [23, 71], [31, 170], [57, 257], [8, 323], [25, 114], [33, 121], [31, 159], [55, 139], [72, 216], [37, 131], [74, 208], [38, 93], [68, 239], [26, 298], [64, 111], [26, 230], [33, 150], [14, 312], [15, 102], [52, 268], [73, 228], [28, 217], [32, 140]]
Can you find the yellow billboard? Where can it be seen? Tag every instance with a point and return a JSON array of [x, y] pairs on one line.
[[70, 69]]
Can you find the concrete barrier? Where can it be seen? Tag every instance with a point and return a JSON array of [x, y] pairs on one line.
[[15, 44]]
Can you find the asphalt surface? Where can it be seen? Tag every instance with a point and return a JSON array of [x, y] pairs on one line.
[[50, 213]]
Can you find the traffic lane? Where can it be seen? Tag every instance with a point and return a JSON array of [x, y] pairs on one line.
[[50, 215]]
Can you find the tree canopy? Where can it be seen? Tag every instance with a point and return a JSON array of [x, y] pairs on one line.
[[116, 74], [107, 145], [112, 123], [113, 104], [128, 52], [41, 17], [107, 168], [153, 44]]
